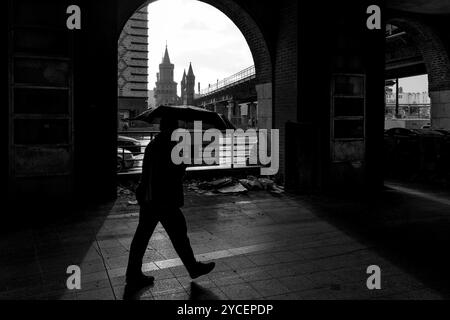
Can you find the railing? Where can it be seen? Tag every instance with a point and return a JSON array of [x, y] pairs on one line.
[[235, 151], [239, 77], [408, 111]]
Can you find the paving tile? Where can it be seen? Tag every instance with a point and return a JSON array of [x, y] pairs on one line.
[[162, 273], [315, 294], [213, 293], [119, 291], [95, 276], [117, 262], [94, 285], [253, 274], [240, 291], [117, 272], [297, 283], [204, 282], [269, 287], [223, 278], [91, 266], [100, 294], [239, 262], [172, 296], [262, 259], [264, 247], [166, 286], [168, 263]]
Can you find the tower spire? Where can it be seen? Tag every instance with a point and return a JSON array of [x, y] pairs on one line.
[[166, 58], [190, 72]]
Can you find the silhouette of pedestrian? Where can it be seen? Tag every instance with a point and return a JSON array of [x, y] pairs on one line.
[[160, 196]]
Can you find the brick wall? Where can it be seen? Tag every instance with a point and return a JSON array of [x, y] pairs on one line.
[[431, 48], [285, 69], [251, 27]]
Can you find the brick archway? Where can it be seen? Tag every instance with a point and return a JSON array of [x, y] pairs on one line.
[[255, 40], [240, 17], [437, 63]]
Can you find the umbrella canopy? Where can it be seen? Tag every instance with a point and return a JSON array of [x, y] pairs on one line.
[[186, 114]]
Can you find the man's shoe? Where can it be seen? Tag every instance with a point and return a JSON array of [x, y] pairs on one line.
[[140, 280], [201, 269]]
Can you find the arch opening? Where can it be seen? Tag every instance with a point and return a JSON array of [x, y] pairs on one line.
[[413, 48], [417, 102], [258, 108]]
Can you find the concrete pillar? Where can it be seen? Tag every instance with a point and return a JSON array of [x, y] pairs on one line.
[[230, 106], [221, 108], [244, 115], [252, 113], [264, 111], [440, 109]]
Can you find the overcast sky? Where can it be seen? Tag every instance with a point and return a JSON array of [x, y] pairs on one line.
[[414, 84], [199, 33]]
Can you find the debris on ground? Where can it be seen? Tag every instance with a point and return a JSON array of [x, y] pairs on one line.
[[216, 184], [235, 188], [277, 190], [123, 191], [232, 185], [227, 185]]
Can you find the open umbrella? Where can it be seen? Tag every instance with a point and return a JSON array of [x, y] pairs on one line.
[[187, 114]]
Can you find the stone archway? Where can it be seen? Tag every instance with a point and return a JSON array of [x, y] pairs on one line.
[[252, 34], [437, 63]]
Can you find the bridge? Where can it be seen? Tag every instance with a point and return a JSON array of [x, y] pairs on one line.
[[403, 57], [234, 96]]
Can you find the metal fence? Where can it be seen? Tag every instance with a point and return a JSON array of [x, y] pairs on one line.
[[235, 151], [241, 76], [408, 111]]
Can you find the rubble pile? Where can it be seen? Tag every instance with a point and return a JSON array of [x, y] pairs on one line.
[[236, 186]]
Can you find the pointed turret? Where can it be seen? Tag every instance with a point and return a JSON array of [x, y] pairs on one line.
[[183, 80], [190, 86], [166, 58], [190, 72]]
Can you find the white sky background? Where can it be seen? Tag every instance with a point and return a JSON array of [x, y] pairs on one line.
[[414, 84], [199, 33]]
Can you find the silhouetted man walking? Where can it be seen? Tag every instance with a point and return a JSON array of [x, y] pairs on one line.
[[160, 196]]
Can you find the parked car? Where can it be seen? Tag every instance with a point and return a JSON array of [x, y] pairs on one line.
[[130, 144], [403, 132], [445, 132], [125, 159]]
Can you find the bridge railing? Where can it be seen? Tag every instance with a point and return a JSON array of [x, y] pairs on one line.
[[235, 151], [408, 111], [241, 76]]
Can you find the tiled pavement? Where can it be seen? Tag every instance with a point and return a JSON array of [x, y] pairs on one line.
[[264, 246]]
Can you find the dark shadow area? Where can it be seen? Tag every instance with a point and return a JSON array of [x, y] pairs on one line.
[[134, 293], [40, 242], [412, 232], [200, 293], [197, 293]]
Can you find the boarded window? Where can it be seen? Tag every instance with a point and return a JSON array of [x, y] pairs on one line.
[[349, 129], [41, 72], [41, 131], [41, 101], [41, 41]]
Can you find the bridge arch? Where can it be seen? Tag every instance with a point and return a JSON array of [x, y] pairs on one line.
[[437, 64], [240, 17]]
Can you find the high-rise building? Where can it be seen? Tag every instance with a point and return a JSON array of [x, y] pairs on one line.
[[165, 92], [133, 67]]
